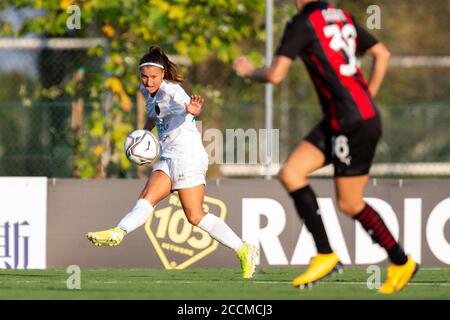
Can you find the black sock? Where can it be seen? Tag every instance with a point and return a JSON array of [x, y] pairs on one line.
[[307, 208], [374, 225]]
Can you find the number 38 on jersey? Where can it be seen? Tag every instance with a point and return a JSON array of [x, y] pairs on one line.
[[343, 40]]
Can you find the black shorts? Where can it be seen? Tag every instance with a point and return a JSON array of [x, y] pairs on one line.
[[351, 151]]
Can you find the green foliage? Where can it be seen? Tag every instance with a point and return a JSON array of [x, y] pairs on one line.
[[211, 34], [200, 30]]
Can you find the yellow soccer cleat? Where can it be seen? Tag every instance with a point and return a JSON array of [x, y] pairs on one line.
[[399, 276], [247, 255], [320, 267], [110, 237]]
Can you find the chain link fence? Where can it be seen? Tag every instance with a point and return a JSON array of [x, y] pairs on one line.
[[36, 131], [38, 118]]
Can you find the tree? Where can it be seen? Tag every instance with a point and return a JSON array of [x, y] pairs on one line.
[[199, 30]]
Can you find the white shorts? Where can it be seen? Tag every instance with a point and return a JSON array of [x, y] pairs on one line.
[[184, 172]]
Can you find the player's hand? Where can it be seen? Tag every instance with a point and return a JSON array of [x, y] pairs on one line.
[[194, 107], [243, 66]]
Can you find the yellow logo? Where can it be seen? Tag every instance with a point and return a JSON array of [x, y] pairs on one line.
[[178, 243]]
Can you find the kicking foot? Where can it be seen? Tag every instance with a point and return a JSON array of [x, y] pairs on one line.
[[247, 255], [110, 237]]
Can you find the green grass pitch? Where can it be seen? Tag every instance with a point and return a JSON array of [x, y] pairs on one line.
[[217, 284]]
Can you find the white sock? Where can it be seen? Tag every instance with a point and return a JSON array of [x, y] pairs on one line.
[[137, 216], [220, 231]]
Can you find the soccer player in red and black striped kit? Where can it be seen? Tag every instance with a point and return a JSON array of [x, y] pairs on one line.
[[328, 40]]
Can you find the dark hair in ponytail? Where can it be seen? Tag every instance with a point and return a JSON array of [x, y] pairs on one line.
[[156, 55]]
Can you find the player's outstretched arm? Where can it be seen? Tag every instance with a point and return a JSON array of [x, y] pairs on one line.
[[381, 57], [274, 74], [194, 107]]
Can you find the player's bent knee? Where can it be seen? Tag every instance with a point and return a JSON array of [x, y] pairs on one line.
[[281, 174], [194, 218], [291, 178], [285, 174], [350, 207]]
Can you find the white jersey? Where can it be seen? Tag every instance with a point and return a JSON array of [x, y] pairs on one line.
[[177, 132]]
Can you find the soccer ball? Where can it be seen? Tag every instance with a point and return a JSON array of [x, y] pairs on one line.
[[141, 147]]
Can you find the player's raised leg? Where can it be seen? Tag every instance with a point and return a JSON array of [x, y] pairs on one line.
[[305, 159], [192, 201], [158, 187], [350, 192]]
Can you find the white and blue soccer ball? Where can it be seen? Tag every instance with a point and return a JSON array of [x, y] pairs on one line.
[[141, 147]]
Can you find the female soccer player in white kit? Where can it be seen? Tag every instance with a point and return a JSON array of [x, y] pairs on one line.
[[183, 161]]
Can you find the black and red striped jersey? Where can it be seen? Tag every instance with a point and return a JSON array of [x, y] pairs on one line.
[[329, 40]]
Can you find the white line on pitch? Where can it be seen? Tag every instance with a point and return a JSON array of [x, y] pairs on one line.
[[444, 284], [357, 283]]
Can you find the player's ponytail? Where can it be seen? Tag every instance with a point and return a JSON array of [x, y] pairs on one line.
[[157, 56]]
